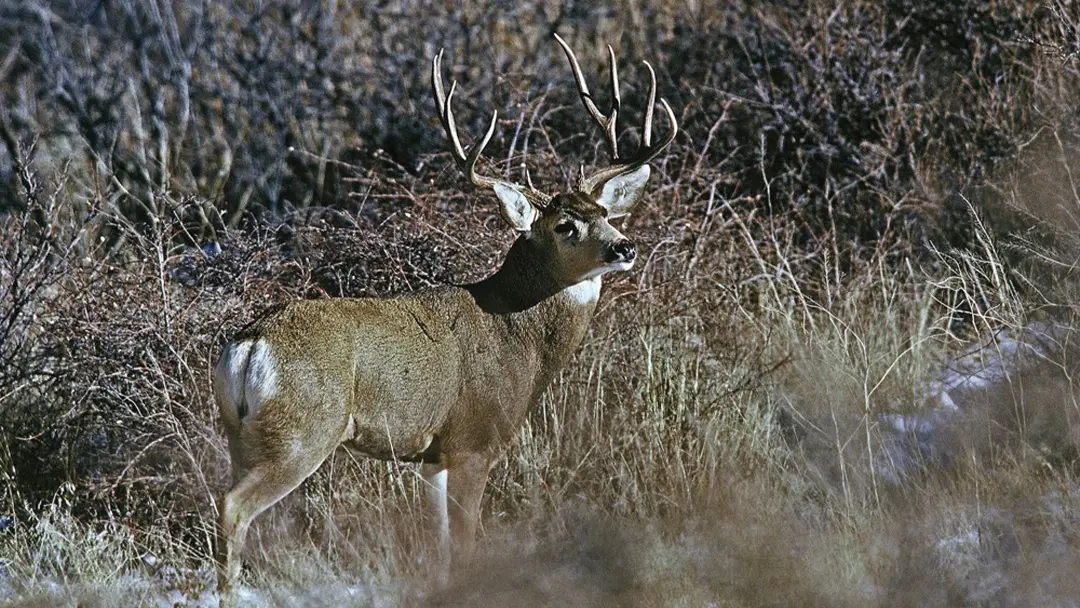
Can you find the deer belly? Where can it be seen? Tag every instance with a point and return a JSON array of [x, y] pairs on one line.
[[391, 441], [408, 448], [398, 409]]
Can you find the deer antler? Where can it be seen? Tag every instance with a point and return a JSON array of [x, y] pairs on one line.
[[467, 162], [646, 151]]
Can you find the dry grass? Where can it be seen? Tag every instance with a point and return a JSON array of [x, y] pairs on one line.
[[859, 196]]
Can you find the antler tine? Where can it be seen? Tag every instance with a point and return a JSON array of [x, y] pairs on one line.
[[443, 102], [467, 162], [646, 128], [616, 104], [607, 124], [441, 99]]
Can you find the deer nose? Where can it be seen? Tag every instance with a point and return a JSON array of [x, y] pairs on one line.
[[623, 251]]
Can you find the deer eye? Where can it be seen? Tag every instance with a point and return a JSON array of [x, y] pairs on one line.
[[567, 229]]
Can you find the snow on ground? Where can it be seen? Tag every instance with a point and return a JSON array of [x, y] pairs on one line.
[[914, 439]]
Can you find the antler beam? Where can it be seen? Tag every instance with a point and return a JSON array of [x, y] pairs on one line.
[[467, 162], [607, 124]]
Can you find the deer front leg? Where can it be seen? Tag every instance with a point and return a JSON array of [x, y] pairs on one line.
[[438, 517], [466, 476]]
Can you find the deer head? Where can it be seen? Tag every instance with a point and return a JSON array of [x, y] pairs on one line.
[[572, 228]]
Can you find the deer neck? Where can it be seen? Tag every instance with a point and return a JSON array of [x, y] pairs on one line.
[[525, 285]]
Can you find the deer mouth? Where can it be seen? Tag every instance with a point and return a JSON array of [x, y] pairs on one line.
[[617, 264]]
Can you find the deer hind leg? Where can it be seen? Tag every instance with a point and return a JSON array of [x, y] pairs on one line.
[[256, 488], [239, 506]]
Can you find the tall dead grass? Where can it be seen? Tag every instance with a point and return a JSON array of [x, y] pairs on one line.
[[755, 418]]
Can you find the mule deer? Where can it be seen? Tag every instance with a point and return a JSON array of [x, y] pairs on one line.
[[442, 376]]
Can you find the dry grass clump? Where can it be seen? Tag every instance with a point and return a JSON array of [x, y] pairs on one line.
[[762, 413]]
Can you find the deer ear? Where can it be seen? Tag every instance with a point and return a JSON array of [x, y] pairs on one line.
[[622, 192], [516, 208]]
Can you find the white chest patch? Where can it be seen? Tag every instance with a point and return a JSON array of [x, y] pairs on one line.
[[585, 292], [260, 384]]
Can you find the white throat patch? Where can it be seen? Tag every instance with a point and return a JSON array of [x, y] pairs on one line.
[[584, 292]]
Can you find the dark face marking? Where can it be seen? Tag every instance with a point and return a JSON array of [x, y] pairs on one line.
[[576, 205]]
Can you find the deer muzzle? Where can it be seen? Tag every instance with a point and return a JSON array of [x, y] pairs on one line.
[[621, 253]]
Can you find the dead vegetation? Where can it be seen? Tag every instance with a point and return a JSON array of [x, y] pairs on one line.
[[857, 196]]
